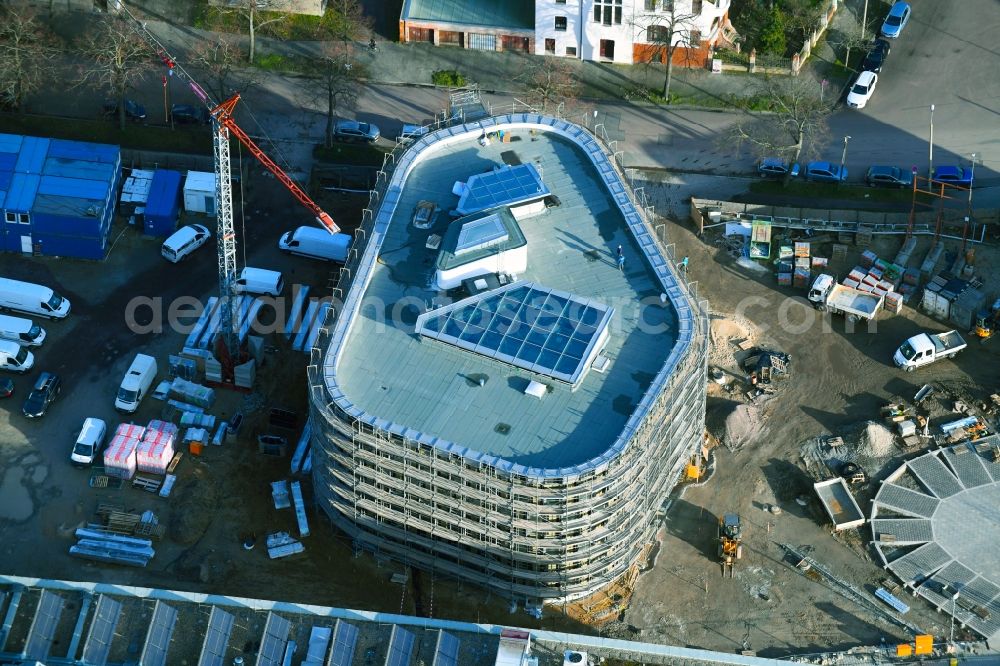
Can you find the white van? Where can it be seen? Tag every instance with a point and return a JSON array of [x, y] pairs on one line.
[[136, 383], [316, 243], [32, 298], [88, 442], [15, 358], [259, 281], [22, 331], [184, 241]]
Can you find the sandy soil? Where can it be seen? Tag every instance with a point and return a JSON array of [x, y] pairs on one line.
[[839, 382]]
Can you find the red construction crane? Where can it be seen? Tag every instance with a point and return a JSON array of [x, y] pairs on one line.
[[224, 114]]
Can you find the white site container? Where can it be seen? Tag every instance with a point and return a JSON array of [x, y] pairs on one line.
[[199, 192]]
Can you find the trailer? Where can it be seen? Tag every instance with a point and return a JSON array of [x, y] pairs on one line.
[[839, 504], [827, 295]]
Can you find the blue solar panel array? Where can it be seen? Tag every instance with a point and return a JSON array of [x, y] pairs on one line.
[[446, 652], [504, 186], [524, 324], [400, 647], [345, 641], [481, 233]]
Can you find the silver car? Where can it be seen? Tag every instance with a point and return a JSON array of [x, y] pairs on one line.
[[353, 130]]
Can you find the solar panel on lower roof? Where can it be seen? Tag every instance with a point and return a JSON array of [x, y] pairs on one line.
[[503, 186], [43, 626], [345, 641], [446, 652], [161, 627], [272, 644], [213, 649], [102, 631], [400, 647], [481, 233], [533, 327]]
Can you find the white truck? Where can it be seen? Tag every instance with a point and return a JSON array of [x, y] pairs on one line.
[[925, 348], [828, 296]]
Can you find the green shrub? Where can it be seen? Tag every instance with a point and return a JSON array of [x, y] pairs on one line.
[[448, 77]]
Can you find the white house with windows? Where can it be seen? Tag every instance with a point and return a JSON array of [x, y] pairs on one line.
[[631, 31]]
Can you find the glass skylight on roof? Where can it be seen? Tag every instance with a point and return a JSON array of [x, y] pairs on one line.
[[481, 233], [545, 331], [504, 186]]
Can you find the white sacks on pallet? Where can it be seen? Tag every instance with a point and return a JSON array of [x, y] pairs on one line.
[[119, 456], [156, 450]]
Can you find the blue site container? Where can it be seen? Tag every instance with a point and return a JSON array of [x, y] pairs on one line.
[[70, 246], [60, 196], [163, 204]]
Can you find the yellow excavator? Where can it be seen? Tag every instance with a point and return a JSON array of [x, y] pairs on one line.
[[987, 322], [730, 542]]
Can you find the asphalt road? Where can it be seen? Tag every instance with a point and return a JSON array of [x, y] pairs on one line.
[[946, 56]]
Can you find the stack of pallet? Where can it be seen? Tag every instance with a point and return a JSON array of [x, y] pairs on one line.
[[802, 271], [156, 449], [875, 276], [119, 456]]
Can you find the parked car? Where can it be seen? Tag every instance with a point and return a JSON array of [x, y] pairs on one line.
[[42, 395], [352, 130], [888, 176], [6, 387], [876, 56], [185, 114], [896, 20], [862, 90], [184, 241], [952, 175], [826, 172], [775, 167], [89, 442], [133, 110]]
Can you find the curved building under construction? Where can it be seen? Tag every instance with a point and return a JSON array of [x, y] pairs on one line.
[[516, 377]]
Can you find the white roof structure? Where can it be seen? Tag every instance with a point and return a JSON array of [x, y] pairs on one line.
[[936, 524]]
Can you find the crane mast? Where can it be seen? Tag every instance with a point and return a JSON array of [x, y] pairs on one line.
[[225, 240], [223, 125]]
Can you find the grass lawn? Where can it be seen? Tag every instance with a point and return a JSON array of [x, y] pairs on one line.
[[197, 140], [809, 190], [360, 154]]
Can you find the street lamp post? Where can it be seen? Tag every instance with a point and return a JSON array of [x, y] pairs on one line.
[[843, 159], [972, 177], [930, 149]]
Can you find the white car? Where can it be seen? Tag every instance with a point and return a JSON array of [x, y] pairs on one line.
[[88, 442], [862, 90]]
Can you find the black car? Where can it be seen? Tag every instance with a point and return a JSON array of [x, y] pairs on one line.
[[133, 110], [42, 395], [876, 56], [888, 176], [187, 114], [6, 387]]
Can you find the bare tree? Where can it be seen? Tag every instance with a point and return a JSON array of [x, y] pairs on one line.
[[222, 66], [350, 22], [549, 81], [338, 76], [118, 57], [26, 54], [795, 124], [256, 14], [667, 27]]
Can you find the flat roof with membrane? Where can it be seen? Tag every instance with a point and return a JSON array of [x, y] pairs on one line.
[[438, 391]]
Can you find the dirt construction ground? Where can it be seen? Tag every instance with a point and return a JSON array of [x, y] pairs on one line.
[[838, 381]]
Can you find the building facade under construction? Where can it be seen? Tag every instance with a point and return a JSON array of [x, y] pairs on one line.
[[522, 430]]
